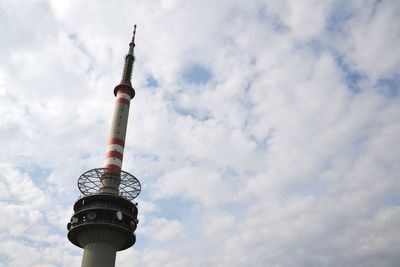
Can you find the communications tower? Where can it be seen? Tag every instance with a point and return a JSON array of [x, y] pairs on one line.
[[105, 218]]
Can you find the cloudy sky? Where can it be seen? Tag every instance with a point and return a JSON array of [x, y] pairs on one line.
[[265, 133]]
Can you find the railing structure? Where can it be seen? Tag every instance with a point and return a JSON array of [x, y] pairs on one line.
[[103, 211], [89, 183], [132, 227]]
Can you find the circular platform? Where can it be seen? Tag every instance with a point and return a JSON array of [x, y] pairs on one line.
[[89, 183], [103, 218]]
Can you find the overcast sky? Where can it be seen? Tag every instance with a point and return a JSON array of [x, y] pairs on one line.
[[264, 133]]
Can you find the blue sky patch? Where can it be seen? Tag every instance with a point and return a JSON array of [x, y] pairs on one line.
[[38, 174], [352, 76], [388, 87], [315, 45], [192, 112], [196, 74], [175, 208], [337, 19], [151, 82], [4, 258], [275, 21]]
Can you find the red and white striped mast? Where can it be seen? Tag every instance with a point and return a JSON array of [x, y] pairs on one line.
[[124, 93]]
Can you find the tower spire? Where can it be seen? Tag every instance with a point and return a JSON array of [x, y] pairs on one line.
[[129, 61], [133, 37]]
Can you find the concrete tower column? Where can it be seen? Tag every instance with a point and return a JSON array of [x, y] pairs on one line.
[[116, 142], [99, 255]]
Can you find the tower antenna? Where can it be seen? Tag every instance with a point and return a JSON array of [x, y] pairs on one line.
[[129, 61], [133, 36]]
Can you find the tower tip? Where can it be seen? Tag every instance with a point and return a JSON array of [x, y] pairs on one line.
[[129, 61], [134, 33]]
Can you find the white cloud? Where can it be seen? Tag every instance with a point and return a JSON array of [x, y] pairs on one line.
[[369, 38], [162, 230], [286, 156]]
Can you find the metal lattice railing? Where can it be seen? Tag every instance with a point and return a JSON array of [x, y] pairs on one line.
[[89, 183]]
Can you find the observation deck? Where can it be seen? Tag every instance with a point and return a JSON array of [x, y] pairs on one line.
[[103, 217]]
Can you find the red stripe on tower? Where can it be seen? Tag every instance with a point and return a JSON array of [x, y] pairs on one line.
[[114, 154], [116, 141], [123, 101]]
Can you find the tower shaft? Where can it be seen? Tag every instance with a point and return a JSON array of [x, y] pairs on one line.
[[99, 255], [124, 92], [116, 143]]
